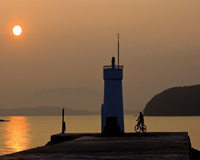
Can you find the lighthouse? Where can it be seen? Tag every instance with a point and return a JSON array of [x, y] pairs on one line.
[[112, 116]]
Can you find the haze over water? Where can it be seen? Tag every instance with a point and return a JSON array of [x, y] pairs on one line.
[[65, 44], [23, 133]]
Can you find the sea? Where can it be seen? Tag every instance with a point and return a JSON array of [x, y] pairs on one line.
[[26, 132]]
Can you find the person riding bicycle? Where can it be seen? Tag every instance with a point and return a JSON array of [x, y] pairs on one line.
[[141, 120]]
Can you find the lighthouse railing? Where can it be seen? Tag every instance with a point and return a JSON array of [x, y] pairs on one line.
[[116, 66]]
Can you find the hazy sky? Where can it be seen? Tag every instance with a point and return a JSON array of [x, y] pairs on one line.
[[65, 44]]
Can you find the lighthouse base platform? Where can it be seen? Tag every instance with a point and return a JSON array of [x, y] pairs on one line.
[[149, 146]]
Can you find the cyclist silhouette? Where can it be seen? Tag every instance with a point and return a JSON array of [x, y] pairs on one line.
[[140, 120]]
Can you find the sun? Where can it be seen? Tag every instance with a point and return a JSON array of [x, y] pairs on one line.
[[17, 30]]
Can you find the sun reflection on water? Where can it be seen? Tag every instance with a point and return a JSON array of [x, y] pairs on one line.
[[17, 136]]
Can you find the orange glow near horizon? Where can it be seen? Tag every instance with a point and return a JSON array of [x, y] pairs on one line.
[[17, 137]]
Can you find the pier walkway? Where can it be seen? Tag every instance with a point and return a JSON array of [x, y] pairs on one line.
[[149, 146]]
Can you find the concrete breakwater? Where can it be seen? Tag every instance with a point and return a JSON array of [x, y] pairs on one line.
[[153, 146]]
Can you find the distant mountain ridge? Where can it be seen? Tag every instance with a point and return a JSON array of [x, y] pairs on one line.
[[75, 98], [77, 101], [176, 101], [49, 111], [43, 111]]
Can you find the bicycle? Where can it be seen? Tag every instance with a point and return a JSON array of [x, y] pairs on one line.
[[139, 128]]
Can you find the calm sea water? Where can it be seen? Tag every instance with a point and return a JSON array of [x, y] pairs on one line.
[[23, 132]]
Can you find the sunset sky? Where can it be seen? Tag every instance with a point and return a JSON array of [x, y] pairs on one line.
[[65, 44]]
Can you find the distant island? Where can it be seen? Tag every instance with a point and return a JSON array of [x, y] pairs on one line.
[[177, 101], [43, 111], [2, 120], [75, 98], [50, 111], [47, 102]]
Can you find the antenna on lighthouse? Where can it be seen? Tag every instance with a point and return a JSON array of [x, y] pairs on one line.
[[118, 49]]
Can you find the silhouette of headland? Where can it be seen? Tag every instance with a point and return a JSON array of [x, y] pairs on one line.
[[176, 101]]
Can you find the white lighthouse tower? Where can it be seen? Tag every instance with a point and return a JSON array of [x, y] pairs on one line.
[[112, 116]]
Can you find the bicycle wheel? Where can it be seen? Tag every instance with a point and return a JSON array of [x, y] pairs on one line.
[[144, 129], [137, 129]]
